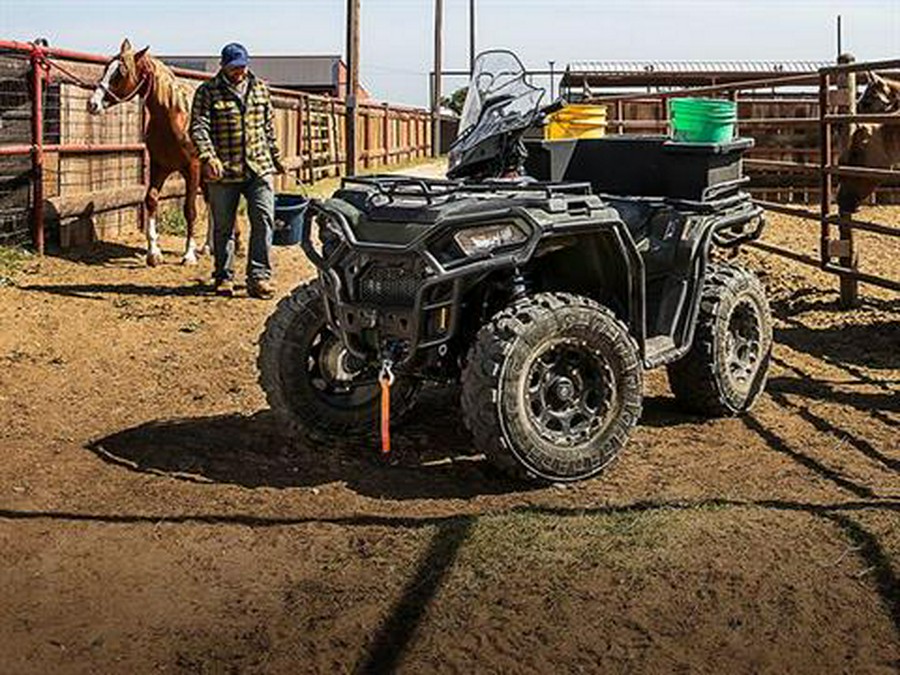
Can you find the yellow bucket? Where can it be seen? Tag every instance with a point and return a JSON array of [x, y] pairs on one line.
[[576, 121]]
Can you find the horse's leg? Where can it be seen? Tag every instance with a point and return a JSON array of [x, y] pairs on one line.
[[191, 182], [158, 177]]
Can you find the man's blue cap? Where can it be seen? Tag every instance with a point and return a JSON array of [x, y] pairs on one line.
[[234, 54]]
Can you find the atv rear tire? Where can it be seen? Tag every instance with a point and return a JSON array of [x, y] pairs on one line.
[[303, 372], [726, 368], [552, 387]]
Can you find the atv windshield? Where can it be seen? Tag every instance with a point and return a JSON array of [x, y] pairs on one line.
[[499, 99]]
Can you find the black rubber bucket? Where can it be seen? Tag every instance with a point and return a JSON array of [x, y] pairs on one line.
[[289, 216]]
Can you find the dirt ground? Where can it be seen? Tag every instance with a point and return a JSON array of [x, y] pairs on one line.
[[152, 519]]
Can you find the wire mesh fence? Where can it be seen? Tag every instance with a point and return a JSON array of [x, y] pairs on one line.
[[15, 129]]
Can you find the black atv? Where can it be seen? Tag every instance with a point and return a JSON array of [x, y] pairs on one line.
[[546, 297]]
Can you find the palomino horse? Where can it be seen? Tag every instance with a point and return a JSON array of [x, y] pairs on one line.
[[128, 75], [875, 146]]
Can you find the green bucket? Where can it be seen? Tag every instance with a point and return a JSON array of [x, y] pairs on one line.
[[702, 120]]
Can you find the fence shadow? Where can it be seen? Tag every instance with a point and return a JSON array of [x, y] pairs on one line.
[[398, 630], [96, 291], [871, 345]]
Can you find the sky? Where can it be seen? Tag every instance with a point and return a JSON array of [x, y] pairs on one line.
[[397, 36]]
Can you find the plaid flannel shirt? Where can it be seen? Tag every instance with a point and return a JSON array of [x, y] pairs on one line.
[[240, 133]]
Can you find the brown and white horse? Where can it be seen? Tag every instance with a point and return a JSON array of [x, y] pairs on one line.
[[168, 102], [875, 146]]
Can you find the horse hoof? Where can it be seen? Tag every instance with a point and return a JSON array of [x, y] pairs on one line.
[[154, 259], [189, 259]]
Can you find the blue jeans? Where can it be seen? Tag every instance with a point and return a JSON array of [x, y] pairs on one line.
[[223, 200]]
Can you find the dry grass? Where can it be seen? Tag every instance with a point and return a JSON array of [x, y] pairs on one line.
[[12, 259]]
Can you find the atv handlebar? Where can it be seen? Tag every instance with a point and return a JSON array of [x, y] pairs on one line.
[[558, 104], [313, 209]]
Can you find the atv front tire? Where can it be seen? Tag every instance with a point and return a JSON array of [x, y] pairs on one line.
[[310, 380], [552, 387], [726, 368]]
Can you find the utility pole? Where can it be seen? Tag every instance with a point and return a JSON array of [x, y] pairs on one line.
[[352, 82], [471, 36], [436, 89], [839, 50]]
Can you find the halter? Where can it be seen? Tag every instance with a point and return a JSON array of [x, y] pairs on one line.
[[104, 87]]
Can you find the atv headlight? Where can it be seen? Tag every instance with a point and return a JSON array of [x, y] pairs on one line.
[[488, 237]]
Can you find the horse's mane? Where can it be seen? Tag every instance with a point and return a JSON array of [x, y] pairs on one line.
[[169, 91]]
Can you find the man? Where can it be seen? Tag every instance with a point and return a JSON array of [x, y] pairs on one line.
[[232, 125]]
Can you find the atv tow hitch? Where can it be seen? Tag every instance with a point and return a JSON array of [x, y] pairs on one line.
[[386, 379]]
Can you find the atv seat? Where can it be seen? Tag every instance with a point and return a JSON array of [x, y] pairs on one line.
[[635, 213]]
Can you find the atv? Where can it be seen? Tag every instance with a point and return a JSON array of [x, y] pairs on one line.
[[545, 297]]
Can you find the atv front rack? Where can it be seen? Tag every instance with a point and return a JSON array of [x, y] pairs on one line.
[[430, 189]]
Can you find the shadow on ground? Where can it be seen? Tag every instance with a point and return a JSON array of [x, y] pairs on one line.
[[836, 340], [97, 291], [430, 459], [101, 253]]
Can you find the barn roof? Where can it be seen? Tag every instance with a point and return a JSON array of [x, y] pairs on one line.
[[294, 71]]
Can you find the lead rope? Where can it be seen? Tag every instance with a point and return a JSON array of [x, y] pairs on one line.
[[386, 379]]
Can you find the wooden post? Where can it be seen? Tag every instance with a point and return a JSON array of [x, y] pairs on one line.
[[436, 89], [368, 140], [307, 118], [300, 144], [824, 164], [664, 105], [332, 140], [845, 248], [386, 134], [352, 81]]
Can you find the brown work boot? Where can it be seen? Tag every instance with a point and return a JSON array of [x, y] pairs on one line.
[[260, 288], [225, 288]]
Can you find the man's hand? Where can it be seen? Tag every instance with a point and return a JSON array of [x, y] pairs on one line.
[[280, 168], [213, 169]]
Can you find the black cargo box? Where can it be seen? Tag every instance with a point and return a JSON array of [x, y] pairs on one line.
[[644, 166]]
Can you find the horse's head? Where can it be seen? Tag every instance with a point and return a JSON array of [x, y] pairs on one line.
[[880, 96], [122, 80], [864, 151]]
